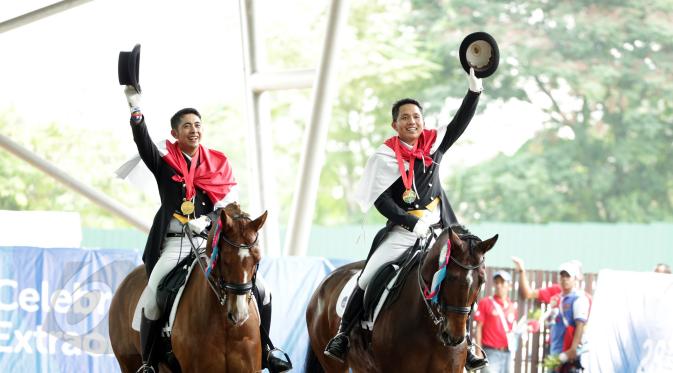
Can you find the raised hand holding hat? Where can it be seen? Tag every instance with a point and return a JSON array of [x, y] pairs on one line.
[[476, 85], [133, 98]]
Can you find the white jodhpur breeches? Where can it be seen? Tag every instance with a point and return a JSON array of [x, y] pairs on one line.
[[175, 249]]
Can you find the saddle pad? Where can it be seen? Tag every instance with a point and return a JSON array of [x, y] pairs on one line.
[[348, 290], [345, 294], [169, 325]]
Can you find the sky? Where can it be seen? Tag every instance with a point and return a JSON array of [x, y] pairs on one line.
[[64, 68]]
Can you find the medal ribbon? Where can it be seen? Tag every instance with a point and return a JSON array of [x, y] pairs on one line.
[[406, 178], [187, 175]]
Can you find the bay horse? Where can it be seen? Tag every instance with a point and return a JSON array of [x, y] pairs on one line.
[[206, 337], [411, 334]]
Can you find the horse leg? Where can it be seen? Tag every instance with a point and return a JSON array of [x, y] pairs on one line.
[[129, 364], [124, 340], [321, 318]]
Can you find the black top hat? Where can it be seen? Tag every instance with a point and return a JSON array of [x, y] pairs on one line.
[[479, 51], [129, 68]]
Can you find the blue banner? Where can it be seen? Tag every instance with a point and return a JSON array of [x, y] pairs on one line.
[[630, 328], [54, 306]]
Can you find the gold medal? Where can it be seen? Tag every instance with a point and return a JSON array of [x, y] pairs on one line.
[[187, 207], [409, 196]]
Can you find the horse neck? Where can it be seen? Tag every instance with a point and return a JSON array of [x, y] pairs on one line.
[[205, 306], [428, 267], [418, 327]]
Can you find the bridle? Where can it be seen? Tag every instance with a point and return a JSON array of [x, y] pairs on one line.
[[437, 316], [219, 286], [234, 287]]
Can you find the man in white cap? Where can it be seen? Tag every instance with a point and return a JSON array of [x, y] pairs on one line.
[[495, 319], [570, 304], [662, 268]]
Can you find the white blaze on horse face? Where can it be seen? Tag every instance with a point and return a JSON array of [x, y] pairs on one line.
[[470, 279], [243, 253], [240, 311]]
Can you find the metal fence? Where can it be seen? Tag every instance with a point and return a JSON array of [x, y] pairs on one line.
[[532, 347]]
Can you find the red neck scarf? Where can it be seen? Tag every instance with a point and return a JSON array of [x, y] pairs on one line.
[[210, 171], [421, 150]]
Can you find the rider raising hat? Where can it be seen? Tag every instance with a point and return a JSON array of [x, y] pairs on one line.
[[402, 180], [194, 183]]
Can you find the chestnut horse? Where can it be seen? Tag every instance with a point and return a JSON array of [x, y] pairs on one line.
[[206, 337], [411, 334]]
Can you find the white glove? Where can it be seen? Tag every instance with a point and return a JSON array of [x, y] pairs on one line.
[[133, 98], [422, 229], [198, 225], [475, 83]]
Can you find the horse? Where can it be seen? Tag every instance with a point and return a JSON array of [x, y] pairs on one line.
[[206, 337], [411, 334]]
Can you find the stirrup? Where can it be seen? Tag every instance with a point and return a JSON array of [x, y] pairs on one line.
[[481, 363], [146, 368], [336, 343], [278, 361]]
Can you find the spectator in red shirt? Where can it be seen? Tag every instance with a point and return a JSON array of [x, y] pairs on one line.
[[495, 318]]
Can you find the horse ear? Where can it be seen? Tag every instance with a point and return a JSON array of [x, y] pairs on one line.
[[259, 222], [227, 222], [453, 237], [487, 245]]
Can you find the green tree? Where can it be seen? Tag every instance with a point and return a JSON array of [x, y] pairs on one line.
[[600, 71], [87, 154], [603, 70]]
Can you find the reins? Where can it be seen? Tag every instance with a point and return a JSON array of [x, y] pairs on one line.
[[218, 285], [437, 316]]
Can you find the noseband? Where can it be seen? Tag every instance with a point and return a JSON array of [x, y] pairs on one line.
[[438, 316]]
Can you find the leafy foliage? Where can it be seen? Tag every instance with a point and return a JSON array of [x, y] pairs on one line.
[[600, 71], [23, 187]]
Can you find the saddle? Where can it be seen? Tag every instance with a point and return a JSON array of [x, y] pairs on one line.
[[171, 284], [168, 294], [384, 288], [396, 270]]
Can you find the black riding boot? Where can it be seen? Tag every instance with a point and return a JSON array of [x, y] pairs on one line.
[[337, 347], [472, 362], [274, 359], [149, 332]]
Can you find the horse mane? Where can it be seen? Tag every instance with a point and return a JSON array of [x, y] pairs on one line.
[[465, 235], [233, 210]]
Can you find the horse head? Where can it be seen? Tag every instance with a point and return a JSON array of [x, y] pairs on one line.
[[464, 274], [237, 260]]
